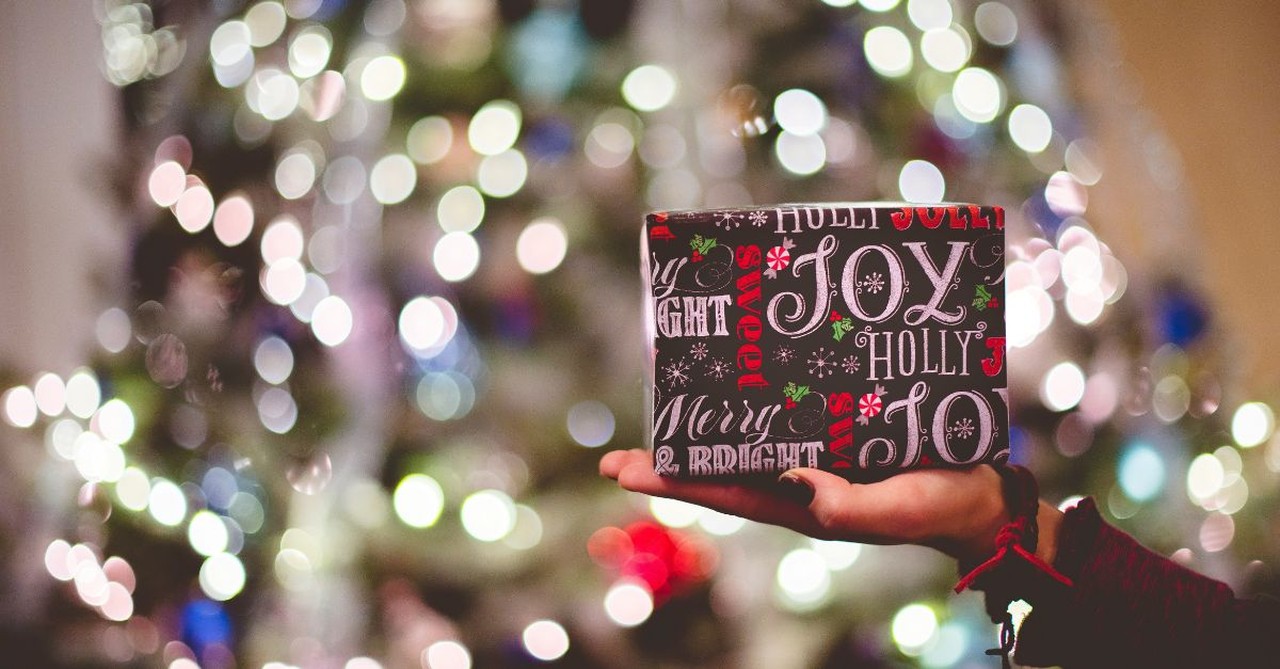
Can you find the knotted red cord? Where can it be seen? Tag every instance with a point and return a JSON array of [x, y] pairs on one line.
[[1010, 538]]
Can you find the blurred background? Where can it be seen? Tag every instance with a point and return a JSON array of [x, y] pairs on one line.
[[318, 314]]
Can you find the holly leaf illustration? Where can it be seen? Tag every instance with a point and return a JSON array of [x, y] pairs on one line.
[[981, 297]]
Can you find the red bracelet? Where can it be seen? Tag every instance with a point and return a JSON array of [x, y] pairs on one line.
[[999, 575]]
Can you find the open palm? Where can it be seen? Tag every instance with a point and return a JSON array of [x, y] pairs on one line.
[[955, 511]]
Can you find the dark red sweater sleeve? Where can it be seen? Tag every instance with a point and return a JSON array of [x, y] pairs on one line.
[[1130, 607]]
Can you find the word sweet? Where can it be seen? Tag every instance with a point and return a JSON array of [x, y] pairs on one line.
[[749, 327]]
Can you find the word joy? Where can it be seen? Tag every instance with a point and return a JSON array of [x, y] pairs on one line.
[[942, 279]]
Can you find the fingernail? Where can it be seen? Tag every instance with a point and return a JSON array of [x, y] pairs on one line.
[[795, 489]]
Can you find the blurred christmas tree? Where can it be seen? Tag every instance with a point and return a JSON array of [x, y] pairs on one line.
[[383, 304]]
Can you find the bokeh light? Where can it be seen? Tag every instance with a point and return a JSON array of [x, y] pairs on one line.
[[233, 219], [20, 408], [166, 503], [167, 182], [51, 394], [429, 139], [460, 209], [801, 155], [502, 174], [880, 5], [914, 627], [921, 181], [545, 640], [674, 512], [332, 321], [266, 22], [445, 395], [382, 78], [996, 23], [446, 654], [649, 88], [803, 579], [1252, 424], [393, 178], [542, 245], [628, 603], [590, 423], [930, 14], [309, 51], [206, 533], [800, 112], [273, 360], [978, 95], [418, 500], [1063, 386], [114, 421], [888, 51], [945, 49], [283, 281], [488, 515], [282, 240], [222, 577], [194, 208], [494, 127], [1141, 472], [1030, 128], [456, 256]]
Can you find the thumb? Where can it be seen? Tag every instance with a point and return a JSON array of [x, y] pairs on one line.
[[828, 496]]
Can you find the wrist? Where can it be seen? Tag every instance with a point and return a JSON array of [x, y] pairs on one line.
[[974, 540], [1049, 519]]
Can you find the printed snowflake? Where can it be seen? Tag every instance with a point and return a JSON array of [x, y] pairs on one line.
[[718, 368], [822, 363], [872, 283], [962, 428], [699, 351], [758, 218], [728, 220], [676, 373], [784, 355], [850, 364]]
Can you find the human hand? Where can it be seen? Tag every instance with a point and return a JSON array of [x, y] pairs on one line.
[[957, 511]]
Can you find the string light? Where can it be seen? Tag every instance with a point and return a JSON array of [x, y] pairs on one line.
[[649, 88]]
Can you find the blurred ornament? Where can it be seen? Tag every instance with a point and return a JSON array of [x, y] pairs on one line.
[[204, 624], [741, 109], [310, 476], [94, 501], [1182, 316], [167, 360], [149, 321], [550, 137], [666, 561], [546, 53]]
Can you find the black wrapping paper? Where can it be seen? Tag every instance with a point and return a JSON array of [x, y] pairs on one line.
[[863, 339]]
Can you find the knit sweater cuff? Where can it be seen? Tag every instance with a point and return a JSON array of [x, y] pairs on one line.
[[1126, 606]]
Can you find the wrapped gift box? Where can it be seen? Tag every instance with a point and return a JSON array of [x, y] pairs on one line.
[[863, 339]]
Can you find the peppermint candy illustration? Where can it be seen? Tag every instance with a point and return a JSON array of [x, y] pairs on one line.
[[778, 258], [870, 405]]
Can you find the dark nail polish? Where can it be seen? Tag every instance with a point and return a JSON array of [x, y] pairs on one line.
[[795, 489]]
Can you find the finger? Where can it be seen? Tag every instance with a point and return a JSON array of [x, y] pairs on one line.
[[880, 513], [613, 462], [747, 502]]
